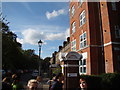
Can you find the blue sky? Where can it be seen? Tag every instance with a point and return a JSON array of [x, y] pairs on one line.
[[32, 21]]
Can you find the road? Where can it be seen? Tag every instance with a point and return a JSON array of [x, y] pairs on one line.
[[26, 77]]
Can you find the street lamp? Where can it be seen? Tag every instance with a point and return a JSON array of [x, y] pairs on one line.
[[40, 44]]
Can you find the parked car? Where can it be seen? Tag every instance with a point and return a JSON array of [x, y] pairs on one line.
[[35, 73]]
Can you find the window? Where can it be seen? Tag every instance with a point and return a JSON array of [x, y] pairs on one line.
[[84, 62], [113, 6], [80, 1], [73, 10], [80, 62], [73, 27], [73, 45], [83, 40], [84, 69], [82, 18], [117, 31], [80, 69], [82, 66]]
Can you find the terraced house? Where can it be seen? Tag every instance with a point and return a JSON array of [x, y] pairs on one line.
[[95, 33]]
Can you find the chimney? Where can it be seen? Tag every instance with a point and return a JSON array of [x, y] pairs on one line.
[[60, 48], [64, 43], [68, 39]]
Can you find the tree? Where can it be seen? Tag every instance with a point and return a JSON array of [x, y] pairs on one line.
[[45, 64], [13, 56], [31, 59]]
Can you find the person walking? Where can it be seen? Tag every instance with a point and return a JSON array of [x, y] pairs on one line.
[[14, 76], [51, 82], [6, 83], [32, 84], [39, 80], [82, 84], [58, 85], [16, 85]]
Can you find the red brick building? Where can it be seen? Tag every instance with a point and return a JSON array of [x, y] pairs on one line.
[[95, 33]]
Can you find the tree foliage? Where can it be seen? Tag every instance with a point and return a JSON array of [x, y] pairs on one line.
[[13, 56], [45, 64]]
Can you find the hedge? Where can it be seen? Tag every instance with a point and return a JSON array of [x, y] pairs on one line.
[[93, 81], [109, 81]]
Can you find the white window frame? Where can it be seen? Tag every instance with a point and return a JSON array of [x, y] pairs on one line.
[[83, 39], [80, 2], [117, 31], [73, 45], [82, 18], [73, 27], [113, 6], [73, 10], [82, 66]]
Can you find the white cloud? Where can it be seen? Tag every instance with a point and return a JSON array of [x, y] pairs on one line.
[[48, 28], [20, 40], [32, 36], [57, 36], [67, 33], [55, 13]]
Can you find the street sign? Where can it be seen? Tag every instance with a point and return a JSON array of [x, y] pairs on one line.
[[72, 75]]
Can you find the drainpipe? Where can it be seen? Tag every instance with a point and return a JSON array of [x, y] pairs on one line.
[[101, 36]]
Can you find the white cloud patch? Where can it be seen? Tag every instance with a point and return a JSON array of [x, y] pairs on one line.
[[20, 40], [32, 36], [55, 13], [57, 36], [67, 33]]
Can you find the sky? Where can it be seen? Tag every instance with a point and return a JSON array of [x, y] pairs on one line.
[[34, 21]]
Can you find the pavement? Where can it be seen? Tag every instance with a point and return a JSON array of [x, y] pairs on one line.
[[45, 85]]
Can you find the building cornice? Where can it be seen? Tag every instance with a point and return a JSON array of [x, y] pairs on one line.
[[115, 43], [104, 45]]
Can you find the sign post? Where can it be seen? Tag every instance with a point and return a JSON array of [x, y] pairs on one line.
[[71, 70]]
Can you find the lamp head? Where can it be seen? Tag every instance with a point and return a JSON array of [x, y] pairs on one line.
[[40, 42]]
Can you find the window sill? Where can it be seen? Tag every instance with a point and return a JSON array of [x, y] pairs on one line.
[[82, 73]]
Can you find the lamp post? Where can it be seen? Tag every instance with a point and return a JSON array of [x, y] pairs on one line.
[[39, 44]]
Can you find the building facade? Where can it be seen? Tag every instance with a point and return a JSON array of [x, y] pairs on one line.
[[95, 33], [56, 59]]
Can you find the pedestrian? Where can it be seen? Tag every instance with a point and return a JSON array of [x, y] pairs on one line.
[[14, 76], [51, 82], [32, 84], [82, 84], [58, 85], [17, 85], [6, 83], [39, 80]]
